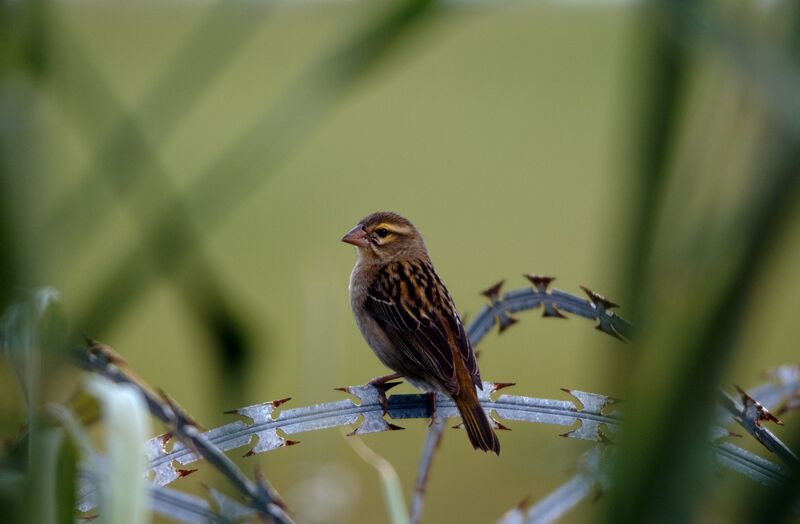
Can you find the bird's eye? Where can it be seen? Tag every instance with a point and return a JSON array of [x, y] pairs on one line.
[[382, 232]]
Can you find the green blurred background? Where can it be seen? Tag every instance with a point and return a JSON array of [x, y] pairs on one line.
[[508, 133]]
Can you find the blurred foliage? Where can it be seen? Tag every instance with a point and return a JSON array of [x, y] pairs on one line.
[[182, 173]]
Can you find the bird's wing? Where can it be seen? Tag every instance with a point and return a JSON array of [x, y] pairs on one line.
[[411, 304]]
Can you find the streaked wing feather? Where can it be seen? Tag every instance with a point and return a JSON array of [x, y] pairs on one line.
[[410, 303]]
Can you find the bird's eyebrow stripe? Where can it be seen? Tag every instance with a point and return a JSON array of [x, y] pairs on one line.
[[392, 228]]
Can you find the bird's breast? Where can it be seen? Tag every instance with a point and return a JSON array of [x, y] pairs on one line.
[[373, 333]]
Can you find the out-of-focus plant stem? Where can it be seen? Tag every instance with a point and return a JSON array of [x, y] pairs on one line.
[[660, 473], [664, 65], [23, 65]]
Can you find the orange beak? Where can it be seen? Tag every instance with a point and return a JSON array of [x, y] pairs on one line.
[[356, 236]]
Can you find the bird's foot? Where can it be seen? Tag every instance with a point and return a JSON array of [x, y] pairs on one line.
[[432, 407], [384, 384]]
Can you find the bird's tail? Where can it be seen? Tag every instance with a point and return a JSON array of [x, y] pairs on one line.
[[476, 422]]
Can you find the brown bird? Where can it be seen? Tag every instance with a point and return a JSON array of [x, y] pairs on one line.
[[409, 320]]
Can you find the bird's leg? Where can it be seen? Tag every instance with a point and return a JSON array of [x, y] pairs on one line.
[[432, 406], [383, 384]]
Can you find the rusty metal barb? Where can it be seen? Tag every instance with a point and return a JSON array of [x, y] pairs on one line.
[[781, 390], [749, 413]]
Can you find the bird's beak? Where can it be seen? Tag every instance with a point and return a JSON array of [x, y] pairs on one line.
[[356, 236]]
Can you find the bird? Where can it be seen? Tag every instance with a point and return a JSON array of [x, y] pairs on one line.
[[406, 315]]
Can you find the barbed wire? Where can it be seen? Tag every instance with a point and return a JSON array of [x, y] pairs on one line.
[[260, 496], [590, 416]]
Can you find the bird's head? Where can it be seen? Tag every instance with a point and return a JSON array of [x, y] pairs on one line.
[[385, 237]]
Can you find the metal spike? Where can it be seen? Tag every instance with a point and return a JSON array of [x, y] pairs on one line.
[[604, 315], [608, 328], [550, 310], [505, 321], [499, 426], [598, 300], [184, 472], [540, 282], [493, 292], [761, 413], [276, 403]]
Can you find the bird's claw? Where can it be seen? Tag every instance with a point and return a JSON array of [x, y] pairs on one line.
[[383, 384]]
